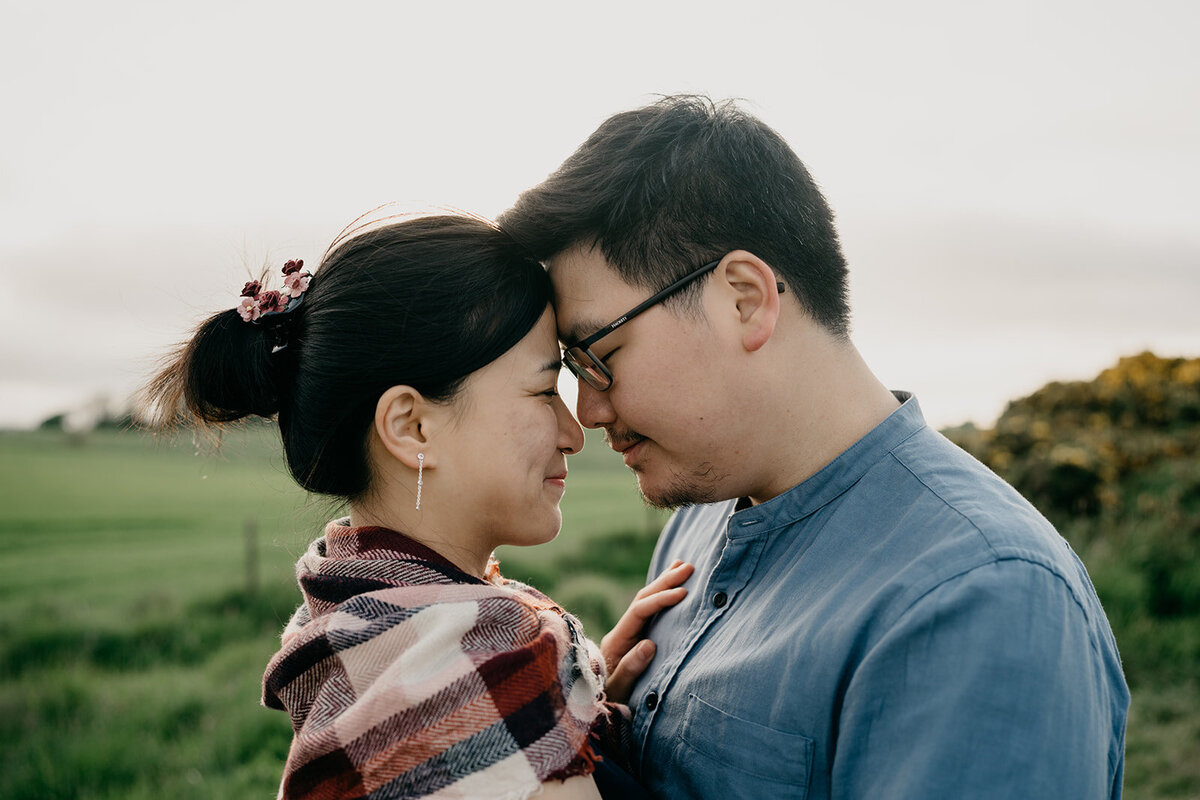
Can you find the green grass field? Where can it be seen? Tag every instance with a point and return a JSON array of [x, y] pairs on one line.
[[135, 623], [137, 614]]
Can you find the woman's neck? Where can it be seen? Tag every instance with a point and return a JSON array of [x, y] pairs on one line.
[[421, 526]]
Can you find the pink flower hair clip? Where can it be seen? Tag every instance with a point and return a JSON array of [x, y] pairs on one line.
[[257, 305], [295, 281]]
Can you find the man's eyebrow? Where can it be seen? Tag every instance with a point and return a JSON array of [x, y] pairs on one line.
[[551, 366], [580, 331]]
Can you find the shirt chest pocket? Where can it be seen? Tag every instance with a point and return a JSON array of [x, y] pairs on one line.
[[727, 756]]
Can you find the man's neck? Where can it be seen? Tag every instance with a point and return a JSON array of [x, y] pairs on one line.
[[835, 401]]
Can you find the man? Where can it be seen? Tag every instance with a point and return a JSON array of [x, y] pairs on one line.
[[873, 613]]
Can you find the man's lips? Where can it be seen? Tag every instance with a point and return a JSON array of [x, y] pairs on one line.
[[622, 443], [629, 454], [628, 446]]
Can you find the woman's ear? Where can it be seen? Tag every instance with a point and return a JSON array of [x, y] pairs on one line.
[[403, 426], [755, 294]]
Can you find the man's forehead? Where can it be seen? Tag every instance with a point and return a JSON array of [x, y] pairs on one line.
[[588, 293], [577, 271], [578, 331]]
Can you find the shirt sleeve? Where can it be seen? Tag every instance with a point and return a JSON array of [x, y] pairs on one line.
[[988, 686]]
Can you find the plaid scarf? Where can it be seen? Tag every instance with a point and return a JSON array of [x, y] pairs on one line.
[[406, 677]]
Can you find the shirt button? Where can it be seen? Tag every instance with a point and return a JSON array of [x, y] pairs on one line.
[[720, 599], [651, 701]]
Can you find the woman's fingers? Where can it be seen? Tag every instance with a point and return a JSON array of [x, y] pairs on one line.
[[663, 592], [642, 609], [670, 577], [629, 627], [628, 669]]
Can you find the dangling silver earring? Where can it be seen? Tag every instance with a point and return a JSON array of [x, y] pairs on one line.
[[420, 477]]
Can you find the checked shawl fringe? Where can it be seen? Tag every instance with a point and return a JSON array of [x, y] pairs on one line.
[[405, 677]]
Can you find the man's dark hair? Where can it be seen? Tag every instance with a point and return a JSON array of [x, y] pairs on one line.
[[664, 188]]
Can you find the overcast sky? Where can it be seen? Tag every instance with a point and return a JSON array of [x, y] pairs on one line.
[[1016, 183]]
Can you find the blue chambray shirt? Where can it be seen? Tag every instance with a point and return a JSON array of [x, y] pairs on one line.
[[900, 625]]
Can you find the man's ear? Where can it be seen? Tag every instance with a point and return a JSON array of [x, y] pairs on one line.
[[403, 424], [752, 284]]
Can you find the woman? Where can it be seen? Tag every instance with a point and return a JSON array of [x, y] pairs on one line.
[[414, 376]]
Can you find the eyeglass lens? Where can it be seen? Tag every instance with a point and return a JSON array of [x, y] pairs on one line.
[[585, 367]]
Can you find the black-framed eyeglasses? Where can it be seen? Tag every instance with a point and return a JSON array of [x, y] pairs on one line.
[[579, 357]]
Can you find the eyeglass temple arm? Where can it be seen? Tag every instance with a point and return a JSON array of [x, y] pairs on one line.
[[656, 298]]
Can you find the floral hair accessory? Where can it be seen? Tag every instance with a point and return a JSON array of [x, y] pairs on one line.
[[296, 283], [272, 301], [249, 309], [260, 306]]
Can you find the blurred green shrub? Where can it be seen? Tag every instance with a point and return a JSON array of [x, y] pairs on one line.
[[1115, 464], [1069, 447]]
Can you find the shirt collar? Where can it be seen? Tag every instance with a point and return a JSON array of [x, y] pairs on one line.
[[834, 478]]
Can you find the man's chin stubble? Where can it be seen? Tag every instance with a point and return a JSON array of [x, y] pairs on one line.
[[684, 489]]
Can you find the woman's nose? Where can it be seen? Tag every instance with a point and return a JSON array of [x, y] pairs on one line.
[[570, 435]]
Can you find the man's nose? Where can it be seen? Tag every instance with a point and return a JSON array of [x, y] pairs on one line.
[[592, 407]]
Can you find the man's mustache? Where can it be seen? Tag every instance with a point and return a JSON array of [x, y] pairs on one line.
[[621, 440]]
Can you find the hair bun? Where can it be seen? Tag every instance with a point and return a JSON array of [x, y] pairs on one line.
[[225, 373]]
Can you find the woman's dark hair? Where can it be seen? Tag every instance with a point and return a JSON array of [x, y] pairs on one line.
[[662, 189], [424, 302]]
